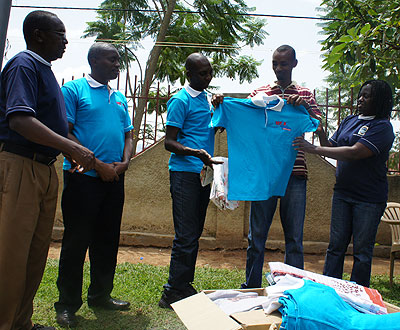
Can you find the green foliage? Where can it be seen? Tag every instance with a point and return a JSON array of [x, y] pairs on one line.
[[242, 68], [219, 27], [363, 41]]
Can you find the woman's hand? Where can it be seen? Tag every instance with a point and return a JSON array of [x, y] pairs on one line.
[[300, 144]]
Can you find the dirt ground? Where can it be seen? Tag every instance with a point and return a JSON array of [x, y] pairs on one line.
[[228, 259]]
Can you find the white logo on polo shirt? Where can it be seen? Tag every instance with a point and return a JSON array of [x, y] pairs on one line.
[[363, 130]]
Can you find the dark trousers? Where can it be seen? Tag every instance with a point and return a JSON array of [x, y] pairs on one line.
[[189, 207], [92, 211]]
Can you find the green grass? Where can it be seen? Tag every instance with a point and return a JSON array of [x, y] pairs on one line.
[[139, 284], [142, 285]]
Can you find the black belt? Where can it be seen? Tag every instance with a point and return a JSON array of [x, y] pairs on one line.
[[24, 152]]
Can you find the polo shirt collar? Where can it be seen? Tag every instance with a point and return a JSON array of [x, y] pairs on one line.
[[95, 84], [366, 117], [192, 92], [270, 102], [37, 57]]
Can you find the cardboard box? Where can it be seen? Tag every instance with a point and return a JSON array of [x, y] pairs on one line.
[[392, 308], [198, 312]]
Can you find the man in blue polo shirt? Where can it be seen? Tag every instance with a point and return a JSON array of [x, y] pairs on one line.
[[33, 131], [191, 143], [92, 202]]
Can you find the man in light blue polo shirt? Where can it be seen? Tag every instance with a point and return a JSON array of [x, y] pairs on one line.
[[92, 202], [191, 143]]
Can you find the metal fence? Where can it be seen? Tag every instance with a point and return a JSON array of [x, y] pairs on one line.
[[153, 123]]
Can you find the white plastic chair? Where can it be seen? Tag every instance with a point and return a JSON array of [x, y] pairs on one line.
[[391, 216]]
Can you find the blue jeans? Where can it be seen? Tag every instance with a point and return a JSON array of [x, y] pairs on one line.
[[292, 212], [189, 206], [360, 220]]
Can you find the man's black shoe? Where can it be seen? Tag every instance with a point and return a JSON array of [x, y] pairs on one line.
[[110, 303], [190, 290], [42, 327], [66, 319], [170, 296]]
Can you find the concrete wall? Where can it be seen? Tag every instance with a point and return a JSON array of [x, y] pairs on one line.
[[147, 218]]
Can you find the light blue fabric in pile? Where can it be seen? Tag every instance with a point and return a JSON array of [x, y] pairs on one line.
[[316, 306]]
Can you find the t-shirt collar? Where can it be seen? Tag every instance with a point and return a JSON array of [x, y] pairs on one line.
[[192, 92], [37, 57], [95, 84]]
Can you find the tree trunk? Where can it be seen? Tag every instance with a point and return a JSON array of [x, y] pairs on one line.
[[151, 67]]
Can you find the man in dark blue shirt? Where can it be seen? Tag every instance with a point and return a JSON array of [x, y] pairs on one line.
[[33, 131]]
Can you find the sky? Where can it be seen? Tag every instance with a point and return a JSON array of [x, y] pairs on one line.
[[302, 34]]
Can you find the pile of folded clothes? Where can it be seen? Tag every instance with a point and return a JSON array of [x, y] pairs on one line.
[[363, 299], [309, 301]]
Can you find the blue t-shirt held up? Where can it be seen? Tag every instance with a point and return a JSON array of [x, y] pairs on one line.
[[261, 155], [192, 115], [365, 179]]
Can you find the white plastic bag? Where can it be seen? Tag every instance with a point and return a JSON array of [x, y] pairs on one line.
[[219, 186]]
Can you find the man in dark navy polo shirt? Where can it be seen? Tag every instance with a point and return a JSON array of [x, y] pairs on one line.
[[33, 131]]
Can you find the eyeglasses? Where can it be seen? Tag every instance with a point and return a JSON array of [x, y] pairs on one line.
[[59, 33]]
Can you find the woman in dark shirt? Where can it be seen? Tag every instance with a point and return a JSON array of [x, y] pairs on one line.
[[361, 145]]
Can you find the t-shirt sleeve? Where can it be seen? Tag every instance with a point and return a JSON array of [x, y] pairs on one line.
[[333, 139], [176, 113], [219, 118], [128, 123], [21, 90], [309, 124], [70, 99], [379, 137]]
